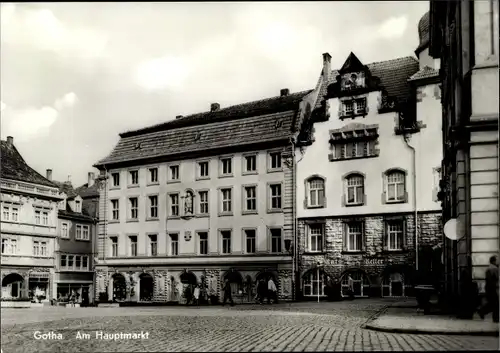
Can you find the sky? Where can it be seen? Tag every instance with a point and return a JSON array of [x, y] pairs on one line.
[[75, 75]]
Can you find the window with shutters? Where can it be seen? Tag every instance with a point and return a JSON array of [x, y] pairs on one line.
[[353, 236], [395, 187], [315, 192], [354, 190]]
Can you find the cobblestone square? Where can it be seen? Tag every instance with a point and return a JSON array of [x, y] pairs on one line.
[[243, 328]]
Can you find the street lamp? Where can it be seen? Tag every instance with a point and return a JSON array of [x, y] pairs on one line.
[[317, 268]]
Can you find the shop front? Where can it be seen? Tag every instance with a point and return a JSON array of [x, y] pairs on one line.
[[75, 288]]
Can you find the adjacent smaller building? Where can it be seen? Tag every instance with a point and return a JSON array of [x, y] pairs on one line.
[[74, 272]]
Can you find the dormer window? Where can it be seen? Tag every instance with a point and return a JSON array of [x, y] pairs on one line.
[[78, 206], [353, 108]]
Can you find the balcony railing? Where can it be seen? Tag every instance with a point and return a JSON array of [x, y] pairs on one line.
[[32, 189]]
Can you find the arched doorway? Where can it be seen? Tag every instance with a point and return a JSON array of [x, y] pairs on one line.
[[12, 285], [174, 292], [314, 282], [249, 288], [146, 287], [359, 281], [119, 287], [189, 281], [235, 281], [393, 285]]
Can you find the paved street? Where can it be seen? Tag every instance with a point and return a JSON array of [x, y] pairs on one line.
[[284, 327]]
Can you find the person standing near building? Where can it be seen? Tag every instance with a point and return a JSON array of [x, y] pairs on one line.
[[350, 284], [196, 295], [272, 291], [261, 291], [491, 291], [227, 293]]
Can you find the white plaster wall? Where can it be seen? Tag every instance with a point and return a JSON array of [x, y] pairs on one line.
[[393, 153]]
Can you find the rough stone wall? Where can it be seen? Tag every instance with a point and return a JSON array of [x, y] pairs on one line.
[[373, 260]]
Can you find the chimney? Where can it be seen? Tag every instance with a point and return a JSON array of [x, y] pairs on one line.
[[178, 116], [49, 174], [284, 92], [214, 107], [327, 59], [10, 140], [90, 181], [69, 179]]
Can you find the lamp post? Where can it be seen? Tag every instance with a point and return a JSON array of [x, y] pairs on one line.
[[289, 249], [317, 268]]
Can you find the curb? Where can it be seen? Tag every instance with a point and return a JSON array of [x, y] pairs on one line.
[[418, 331], [375, 316]]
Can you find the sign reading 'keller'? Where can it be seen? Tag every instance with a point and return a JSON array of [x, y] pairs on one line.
[[363, 262]]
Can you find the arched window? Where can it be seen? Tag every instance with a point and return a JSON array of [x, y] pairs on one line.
[[394, 285], [315, 192], [314, 282], [355, 282], [395, 186], [355, 189]]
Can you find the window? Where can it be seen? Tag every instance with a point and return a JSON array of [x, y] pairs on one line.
[[153, 175], [37, 217], [355, 190], [173, 172], [45, 218], [355, 281], [359, 149], [226, 166], [134, 207], [203, 202], [174, 244], [114, 246], [43, 248], [85, 263], [203, 169], [6, 213], [275, 197], [133, 245], [78, 206], [115, 210], [250, 239], [134, 177], [314, 283], [78, 232], [174, 205], [15, 214], [63, 261], [226, 241], [78, 262], [70, 262], [36, 248], [116, 179], [250, 198], [274, 161], [153, 206], [316, 194], [395, 233], [64, 230], [203, 239], [86, 233], [395, 187], [276, 240], [353, 107], [393, 285], [353, 236], [316, 237], [226, 200], [250, 164], [153, 244], [9, 246]]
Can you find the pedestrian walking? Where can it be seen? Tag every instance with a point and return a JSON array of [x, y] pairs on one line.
[[227, 293], [261, 291], [272, 291], [196, 295], [491, 291], [350, 285]]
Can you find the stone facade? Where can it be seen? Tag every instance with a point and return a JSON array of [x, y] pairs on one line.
[[374, 261]]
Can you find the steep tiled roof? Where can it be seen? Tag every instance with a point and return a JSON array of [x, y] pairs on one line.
[[13, 166], [425, 72], [255, 122], [68, 212], [393, 75], [423, 32], [84, 191]]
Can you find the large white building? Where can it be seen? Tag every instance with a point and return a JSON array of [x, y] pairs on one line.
[[368, 174]]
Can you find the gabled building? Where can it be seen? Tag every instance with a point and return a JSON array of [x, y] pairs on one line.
[[29, 205], [367, 177], [464, 36], [74, 272], [199, 199]]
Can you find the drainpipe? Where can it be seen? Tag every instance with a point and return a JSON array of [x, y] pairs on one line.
[[414, 174]]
